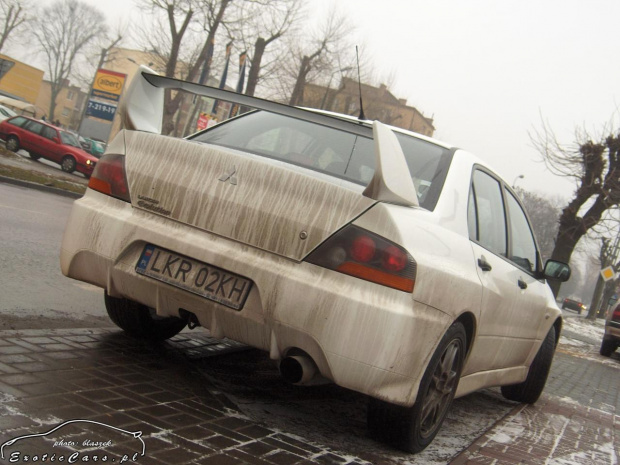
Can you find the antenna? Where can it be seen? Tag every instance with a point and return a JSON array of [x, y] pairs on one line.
[[359, 83]]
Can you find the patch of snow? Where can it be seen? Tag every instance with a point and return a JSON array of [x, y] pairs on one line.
[[589, 328]]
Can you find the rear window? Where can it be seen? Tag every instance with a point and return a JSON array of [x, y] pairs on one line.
[[328, 150]]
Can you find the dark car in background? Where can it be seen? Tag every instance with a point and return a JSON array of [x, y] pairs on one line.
[[572, 304], [92, 146], [611, 339], [43, 140]]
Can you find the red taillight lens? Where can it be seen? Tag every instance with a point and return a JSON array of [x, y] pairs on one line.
[[394, 259], [363, 249], [360, 253], [109, 177], [616, 314]]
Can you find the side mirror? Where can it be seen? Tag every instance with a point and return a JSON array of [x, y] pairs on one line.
[[557, 270], [56, 139]]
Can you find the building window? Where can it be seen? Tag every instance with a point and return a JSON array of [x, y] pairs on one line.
[[66, 112], [70, 95]]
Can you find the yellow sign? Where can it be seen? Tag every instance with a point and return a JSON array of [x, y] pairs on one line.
[[109, 82], [607, 273]]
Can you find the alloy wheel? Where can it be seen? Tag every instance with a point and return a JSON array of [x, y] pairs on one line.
[[441, 388]]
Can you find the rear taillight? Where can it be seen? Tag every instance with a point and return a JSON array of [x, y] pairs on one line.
[[360, 253], [616, 314], [109, 177]]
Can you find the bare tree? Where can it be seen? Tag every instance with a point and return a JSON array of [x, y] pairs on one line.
[[266, 23], [321, 55], [594, 164], [13, 17], [169, 33], [63, 30], [544, 215], [213, 18]]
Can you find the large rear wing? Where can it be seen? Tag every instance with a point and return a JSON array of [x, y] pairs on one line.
[[143, 107]]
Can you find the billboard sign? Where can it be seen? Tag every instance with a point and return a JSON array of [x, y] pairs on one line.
[[100, 110], [108, 84]]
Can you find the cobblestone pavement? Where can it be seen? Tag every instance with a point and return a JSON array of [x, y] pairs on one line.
[[118, 386], [574, 422]]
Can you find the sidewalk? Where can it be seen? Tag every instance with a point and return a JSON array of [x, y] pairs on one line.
[[52, 376], [575, 421]]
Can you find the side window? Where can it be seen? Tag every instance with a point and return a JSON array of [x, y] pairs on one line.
[[489, 213], [472, 216], [18, 121], [48, 133], [33, 126], [522, 244]]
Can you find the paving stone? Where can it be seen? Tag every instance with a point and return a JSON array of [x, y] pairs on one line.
[[176, 456], [330, 459], [15, 358], [220, 442], [247, 458], [283, 458], [221, 459], [17, 380], [8, 369], [38, 340], [31, 367]]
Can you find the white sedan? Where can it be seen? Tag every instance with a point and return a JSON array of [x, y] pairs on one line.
[[355, 253]]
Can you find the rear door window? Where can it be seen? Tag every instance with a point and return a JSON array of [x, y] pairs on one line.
[[33, 126], [487, 213]]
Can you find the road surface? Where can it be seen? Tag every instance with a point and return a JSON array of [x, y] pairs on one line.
[[33, 292]]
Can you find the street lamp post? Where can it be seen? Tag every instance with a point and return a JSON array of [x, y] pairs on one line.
[[521, 176]]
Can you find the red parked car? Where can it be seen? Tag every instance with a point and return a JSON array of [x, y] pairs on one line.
[[43, 140]]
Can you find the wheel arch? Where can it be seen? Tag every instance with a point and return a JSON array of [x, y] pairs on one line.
[[557, 324], [468, 320]]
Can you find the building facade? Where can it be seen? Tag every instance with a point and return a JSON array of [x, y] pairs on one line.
[[379, 104], [19, 80], [69, 104]]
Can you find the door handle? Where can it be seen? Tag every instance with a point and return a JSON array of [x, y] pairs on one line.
[[483, 264], [522, 284]]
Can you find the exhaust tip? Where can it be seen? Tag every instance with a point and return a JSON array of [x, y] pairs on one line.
[[291, 370], [297, 369]]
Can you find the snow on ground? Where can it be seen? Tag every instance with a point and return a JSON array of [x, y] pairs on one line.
[[589, 328]]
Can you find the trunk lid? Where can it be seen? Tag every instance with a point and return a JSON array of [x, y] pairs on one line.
[[249, 200]]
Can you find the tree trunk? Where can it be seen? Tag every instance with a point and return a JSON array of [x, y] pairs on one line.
[[259, 50], [54, 91], [171, 105], [297, 97]]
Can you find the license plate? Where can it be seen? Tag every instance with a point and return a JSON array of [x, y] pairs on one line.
[[197, 277]]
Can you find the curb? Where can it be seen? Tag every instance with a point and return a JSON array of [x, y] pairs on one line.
[[40, 187]]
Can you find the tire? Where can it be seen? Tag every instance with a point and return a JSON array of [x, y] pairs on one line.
[[139, 321], [34, 156], [68, 164], [530, 390], [414, 428], [12, 143], [608, 347]]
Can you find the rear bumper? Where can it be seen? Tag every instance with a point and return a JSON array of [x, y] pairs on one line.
[[612, 330], [363, 336]]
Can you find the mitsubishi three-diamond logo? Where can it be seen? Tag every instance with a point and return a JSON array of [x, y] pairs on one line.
[[230, 176]]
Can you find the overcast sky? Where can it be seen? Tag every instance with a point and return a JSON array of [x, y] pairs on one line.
[[486, 70]]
